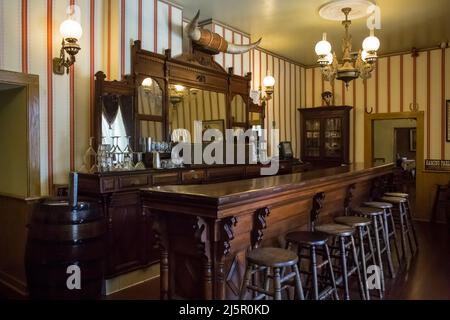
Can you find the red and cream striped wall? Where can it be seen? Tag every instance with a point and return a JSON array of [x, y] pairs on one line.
[[282, 111], [397, 82], [29, 39]]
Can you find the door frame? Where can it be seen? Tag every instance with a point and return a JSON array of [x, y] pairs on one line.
[[31, 84], [369, 138]]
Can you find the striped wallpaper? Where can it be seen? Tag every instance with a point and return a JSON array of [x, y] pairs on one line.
[[289, 92], [29, 39], [397, 82]]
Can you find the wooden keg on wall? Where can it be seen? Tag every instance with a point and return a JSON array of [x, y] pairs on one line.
[[60, 237]]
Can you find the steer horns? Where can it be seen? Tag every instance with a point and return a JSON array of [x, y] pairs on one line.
[[212, 42]]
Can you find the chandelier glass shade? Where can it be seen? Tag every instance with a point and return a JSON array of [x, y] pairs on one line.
[[353, 65]]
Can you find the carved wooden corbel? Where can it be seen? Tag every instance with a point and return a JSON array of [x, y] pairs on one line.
[[316, 208], [259, 225], [348, 198], [228, 234]]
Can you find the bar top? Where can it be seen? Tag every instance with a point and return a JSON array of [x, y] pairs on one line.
[[227, 192]]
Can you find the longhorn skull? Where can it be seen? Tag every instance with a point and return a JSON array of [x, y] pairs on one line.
[[213, 42]]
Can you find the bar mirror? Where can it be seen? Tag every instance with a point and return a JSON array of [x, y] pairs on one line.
[[150, 115], [195, 109]]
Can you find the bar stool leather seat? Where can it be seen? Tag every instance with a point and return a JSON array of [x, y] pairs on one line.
[[379, 205], [353, 221], [272, 257], [394, 200], [397, 195], [308, 238], [335, 230], [367, 211]]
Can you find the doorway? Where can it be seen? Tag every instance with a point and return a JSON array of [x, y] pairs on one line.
[[397, 137]]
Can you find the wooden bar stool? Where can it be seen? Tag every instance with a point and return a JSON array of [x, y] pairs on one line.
[[389, 224], [407, 206], [399, 205], [376, 215], [313, 243], [271, 261], [343, 245], [316, 244], [362, 226]]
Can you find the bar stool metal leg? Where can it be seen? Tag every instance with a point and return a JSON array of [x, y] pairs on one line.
[[344, 267], [394, 234], [378, 252], [413, 228], [358, 271], [408, 227], [385, 231], [363, 260], [277, 283], [315, 283], [331, 271], [299, 287]]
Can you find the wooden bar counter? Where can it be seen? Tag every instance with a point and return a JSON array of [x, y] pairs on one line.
[[204, 231]]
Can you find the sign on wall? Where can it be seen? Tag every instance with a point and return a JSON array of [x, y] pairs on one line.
[[437, 165]]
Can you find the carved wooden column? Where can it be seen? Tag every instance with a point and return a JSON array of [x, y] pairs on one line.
[[159, 227]]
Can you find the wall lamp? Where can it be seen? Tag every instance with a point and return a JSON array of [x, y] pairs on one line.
[[71, 32], [265, 93]]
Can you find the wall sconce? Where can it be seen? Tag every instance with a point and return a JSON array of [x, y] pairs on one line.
[[268, 86], [71, 32], [265, 93], [177, 93]]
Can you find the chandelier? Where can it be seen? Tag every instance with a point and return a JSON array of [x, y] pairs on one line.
[[353, 65]]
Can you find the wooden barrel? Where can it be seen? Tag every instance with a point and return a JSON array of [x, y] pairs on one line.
[[62, 243]]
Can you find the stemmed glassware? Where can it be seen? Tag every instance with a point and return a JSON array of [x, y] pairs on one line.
[[89, 159], [104, 159], [128, 156], [117, 155], [140, 165]]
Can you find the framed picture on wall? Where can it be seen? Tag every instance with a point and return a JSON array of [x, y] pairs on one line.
[[413, 140], [448, 120]]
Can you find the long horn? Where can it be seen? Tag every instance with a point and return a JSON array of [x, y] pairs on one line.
[[192, 29], [237, 49]]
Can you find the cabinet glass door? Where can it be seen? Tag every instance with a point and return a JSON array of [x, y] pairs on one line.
[[312, 148], [333, 138]]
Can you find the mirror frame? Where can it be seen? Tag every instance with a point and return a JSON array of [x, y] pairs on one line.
[[191, 69], [103, 88]]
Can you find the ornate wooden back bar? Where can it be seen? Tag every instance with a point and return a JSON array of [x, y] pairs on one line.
[[192, 69]]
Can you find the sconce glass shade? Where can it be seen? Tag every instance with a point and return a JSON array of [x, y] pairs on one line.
[[269, 81], [323, 48], [371, 43], [179, 88], [329, 57], [364, 55], [147, 83], [71, 29]]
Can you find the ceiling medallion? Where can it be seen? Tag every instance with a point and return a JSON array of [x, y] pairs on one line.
[[353, 65]]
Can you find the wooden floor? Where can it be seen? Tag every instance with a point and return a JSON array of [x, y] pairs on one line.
[[425, 277]]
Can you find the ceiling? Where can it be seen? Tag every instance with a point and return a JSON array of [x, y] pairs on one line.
[[292, 27]]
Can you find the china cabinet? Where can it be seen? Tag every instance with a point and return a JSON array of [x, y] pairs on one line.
[[325, 134]]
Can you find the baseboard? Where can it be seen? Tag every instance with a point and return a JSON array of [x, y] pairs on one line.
[[132, 279], [12, 287]]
